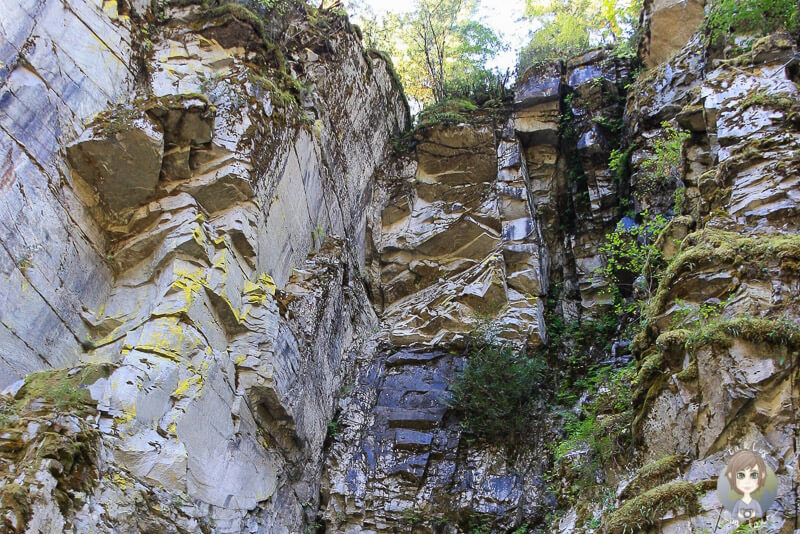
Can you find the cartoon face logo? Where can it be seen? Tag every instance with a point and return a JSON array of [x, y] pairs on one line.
[[747, 486]]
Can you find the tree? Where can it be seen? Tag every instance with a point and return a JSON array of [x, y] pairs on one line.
[[435, 47], [569, 27]]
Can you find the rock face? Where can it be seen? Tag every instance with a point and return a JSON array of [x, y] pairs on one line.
[[726, 381], [235, 312], [400, 461], [201, 223], [717, 357], [475, 224], [668, 24], [455, 241]]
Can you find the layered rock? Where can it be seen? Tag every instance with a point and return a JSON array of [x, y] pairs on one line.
[[400, 460], [472, 226], [723, 379], [456, 239], [227, 308], [253, 333], [718, 354]]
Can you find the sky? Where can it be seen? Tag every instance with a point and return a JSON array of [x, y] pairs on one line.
[[504, 17]]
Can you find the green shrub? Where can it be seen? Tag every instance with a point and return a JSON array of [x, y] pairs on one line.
[[496, 393], [450, 111], [759, 17], [481, 87], [629, 254], [665, 166], [619, 162], [601, 429], [680, 201]]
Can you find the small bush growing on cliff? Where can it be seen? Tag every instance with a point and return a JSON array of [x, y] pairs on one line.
[[758, 17], [601, 430], [631, 254], [665, 167], [497, 390]]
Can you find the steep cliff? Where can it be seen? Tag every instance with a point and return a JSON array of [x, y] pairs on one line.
[[234, 305], [186, 225]]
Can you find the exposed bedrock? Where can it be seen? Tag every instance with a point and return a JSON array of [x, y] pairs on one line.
[[191, 238], [230, 307]]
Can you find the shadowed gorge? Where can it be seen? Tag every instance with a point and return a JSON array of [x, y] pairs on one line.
[[247, 291]]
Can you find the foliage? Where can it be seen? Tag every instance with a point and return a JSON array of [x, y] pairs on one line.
[[601, 427], [619, 162], [570, 27], [334, 429], [680, 200], [766, 100], [720, 332], [665, 166], [574, 339], [630, 255], [447, 112], [497, 390], [483, 88], [760, 17], [596, 436], [439, 49], [690, 316], [48, 421]]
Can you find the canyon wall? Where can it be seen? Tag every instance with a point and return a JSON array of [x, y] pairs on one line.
[[186, 211], [231, 306]]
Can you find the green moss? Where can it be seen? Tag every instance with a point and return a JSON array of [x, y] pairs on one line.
[[280, 98], [601, 432], [713, 247], [650, 367], [62, 389], [450, 112], [45, 398], [645, 511], [14, 500], [655, 474], [236, 11], [722, 332], [673, 338], [766, 100], [691, 372]]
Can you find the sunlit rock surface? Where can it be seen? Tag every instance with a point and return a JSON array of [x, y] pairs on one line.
[[193, 238], [248, 309]]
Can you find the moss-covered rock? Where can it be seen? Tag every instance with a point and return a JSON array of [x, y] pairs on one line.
[[46, 430], [646, 510], [722, 332], [712, 247], [655, 474]]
